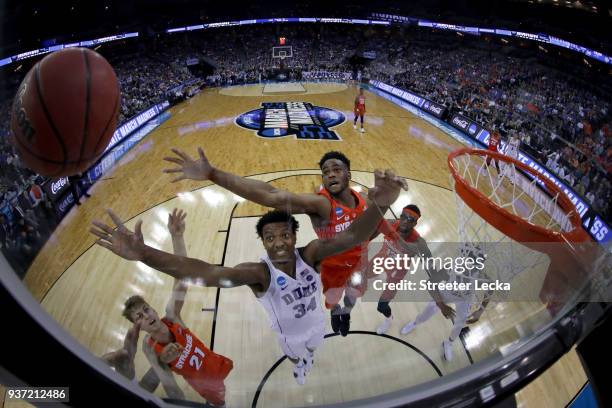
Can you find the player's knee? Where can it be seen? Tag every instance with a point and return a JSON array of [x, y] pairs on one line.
[[349, 301]]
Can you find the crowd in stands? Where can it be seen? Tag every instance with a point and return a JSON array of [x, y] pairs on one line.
[[561, 119], [145, 81]]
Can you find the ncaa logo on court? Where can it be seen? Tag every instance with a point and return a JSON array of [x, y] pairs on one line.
[[302, 119]]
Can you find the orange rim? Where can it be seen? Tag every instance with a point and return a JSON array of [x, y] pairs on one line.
[[510, 224]]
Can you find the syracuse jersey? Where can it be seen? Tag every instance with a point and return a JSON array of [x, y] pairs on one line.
[[360, 105], [335, 270], [203, 369]]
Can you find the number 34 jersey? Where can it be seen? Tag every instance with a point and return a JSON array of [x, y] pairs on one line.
[[293, 305]]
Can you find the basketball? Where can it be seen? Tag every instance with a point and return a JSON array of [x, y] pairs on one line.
[[65, 112]]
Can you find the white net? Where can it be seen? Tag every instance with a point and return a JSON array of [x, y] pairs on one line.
[[517, 201]]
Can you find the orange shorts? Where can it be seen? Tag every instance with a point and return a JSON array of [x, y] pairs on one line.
[[336, 278], [212, 387], [360, 111]]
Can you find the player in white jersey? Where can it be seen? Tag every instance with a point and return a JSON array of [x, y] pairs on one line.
[[463, 300], [285, 282], [512, 150]]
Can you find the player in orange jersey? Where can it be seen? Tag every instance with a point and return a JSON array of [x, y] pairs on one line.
[[122, 360], [331, 211], [360, 109], [170, 346], [494, 145]]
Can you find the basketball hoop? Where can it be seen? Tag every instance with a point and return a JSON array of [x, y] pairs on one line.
[[524, 210], [282, 52]]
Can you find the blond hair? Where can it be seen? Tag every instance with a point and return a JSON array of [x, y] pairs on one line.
[[132, 303]]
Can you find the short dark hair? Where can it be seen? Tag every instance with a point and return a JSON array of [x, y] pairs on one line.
[[276, 216], [413, 208], [335, 155]]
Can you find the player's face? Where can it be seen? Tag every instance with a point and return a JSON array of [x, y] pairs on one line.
[[279, 241], [147, 317], [407, 223], [335, 175]]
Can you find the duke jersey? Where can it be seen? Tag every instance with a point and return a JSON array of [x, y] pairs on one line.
[[293, 305], [513, 147]]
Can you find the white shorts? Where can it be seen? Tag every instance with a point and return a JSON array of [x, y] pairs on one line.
[[297, 346]]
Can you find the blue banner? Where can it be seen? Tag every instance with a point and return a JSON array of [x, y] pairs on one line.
[[430, 107], [45, 50], [131, 125]]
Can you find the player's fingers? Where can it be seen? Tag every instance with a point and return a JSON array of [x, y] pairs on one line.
[[201, 154], [389, 174], [181, 154], [115, 218], [179, 178], [98, 233], [105, 244], [173, 160], [173, 170], [103, 227], [138, 229], [377, 174]]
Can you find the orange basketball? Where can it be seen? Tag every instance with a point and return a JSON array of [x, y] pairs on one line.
[[65, 112]]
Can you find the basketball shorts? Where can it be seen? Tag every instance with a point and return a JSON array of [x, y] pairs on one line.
[[211, 386], [297, 346], [336, 278], [360, 111]]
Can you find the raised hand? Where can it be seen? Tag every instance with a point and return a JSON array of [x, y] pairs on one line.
[[130, 344], [176, 222], [386, 188], [189, 169], [121, 241], [170, 352]]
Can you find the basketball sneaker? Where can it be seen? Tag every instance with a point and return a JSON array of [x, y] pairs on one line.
[[309, 361], [354, 126], [345, 324], [299, 372], [407, 328], [362, 130], [335, 321], [384, 326], [447, 350]]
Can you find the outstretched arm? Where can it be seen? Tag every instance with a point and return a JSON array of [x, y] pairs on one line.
[[130, 245], [385, 191], [162, 371], [253, 190], [176, 227]]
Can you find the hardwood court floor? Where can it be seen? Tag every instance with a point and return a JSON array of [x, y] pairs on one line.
[[83, 286]]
